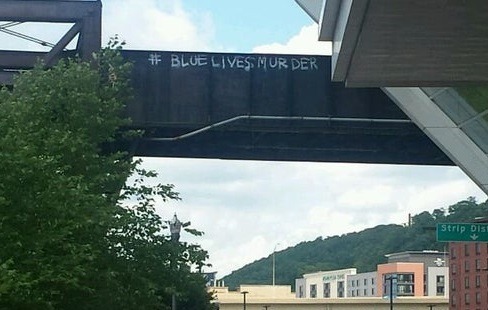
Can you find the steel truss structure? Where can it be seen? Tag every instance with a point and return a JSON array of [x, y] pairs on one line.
[[84, 15]]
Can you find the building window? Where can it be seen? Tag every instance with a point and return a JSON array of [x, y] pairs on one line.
[[313, 291], [405, 284], [453, 268], [405, 289], [478, 297], [478, 280], [478, 264], [353, 293], [453, 252], [478, 248], [372, 292], [327, 290], [352, 283], [466, 282], [466, 265], [425, 284], [365, 292], [466, 249], [372, 281], [453, 300], [405, 278], [440, 291], [300, 291], [440, 285], [365, 281], [453, 285], [466, 299], [340, 289]]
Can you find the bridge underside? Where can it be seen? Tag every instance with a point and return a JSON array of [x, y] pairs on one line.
[[329, 143]]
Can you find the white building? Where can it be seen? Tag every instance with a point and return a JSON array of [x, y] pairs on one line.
[[362, 285], [324, 284], [437, 281]]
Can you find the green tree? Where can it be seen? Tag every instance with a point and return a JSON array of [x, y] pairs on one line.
[[74, 235]]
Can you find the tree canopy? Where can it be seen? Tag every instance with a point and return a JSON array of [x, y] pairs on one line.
[[74, 233]]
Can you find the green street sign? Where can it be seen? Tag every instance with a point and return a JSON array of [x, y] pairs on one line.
[[465, 232]]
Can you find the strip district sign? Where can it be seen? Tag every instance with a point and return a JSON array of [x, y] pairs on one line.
[[464, 232]]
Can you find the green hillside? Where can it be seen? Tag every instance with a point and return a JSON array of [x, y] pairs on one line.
[[362, 250]]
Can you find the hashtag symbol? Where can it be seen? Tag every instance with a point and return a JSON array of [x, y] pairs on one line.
[[154, 59]]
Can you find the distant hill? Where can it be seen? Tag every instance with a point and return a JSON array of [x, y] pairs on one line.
[[362, 250]]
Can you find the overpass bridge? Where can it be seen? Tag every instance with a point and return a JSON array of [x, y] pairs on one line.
[[266, 107], [233, 106], [409, 55]]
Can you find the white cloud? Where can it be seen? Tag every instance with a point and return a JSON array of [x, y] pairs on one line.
[[156, 25], [290, 202], [305, 42]]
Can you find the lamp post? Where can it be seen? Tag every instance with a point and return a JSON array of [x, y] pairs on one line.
[[244, 294], [215, 304], [391, 278], [274, 263], [175, 229]]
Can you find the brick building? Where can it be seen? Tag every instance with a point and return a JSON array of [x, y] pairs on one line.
[[468, 275]]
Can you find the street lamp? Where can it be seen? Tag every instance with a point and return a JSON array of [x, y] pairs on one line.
[[244, 294], [274, 263], [215, 304], [175, 229], [391, 278]]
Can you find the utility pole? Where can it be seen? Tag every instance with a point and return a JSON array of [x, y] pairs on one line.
[[274, 264]]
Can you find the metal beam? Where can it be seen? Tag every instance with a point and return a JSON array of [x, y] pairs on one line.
[[6, 78], [47, 11], [90, 39], [55, 52], [87, 19], [440, 128], [19, 59]]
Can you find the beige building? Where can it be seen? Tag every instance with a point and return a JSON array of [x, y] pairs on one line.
[[280, 297], [324, 284]]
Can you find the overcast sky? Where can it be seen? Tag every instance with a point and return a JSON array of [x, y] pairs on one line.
[[247, 208]]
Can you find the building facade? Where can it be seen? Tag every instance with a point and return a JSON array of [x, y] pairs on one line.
[[401, 279], [324, 284], [406, 274], [436, 274], [437, 282], [469, 275], [362, 285]]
